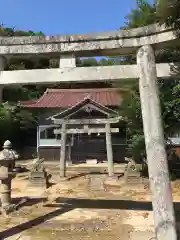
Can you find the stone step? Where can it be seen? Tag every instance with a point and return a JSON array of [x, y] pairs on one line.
[[96, 183], [134, 177], [38, 182], [93, 169], [134, 180]]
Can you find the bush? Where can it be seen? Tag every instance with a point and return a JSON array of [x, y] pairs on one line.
[[137, 146]]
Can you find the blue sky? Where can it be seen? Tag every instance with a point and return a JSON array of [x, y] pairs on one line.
[[65, 16]]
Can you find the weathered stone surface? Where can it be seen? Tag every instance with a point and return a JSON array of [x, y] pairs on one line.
[[7, 162], [91, 161], [88, 121], [136, 32], [38, 175], [109, 150], [96, 182], [92, 130], [85, 74], [111, 43], [154, 138], [63, 151], [67, 61], [132, 173]]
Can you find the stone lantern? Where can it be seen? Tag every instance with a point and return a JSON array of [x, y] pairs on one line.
[[7, 163]]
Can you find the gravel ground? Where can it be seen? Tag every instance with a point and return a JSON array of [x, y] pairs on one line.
[[75, 211]]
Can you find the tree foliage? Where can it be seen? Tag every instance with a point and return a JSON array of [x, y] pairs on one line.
[[168, 12], [143, 15], [12, 32], [169, 90], [16, 122]]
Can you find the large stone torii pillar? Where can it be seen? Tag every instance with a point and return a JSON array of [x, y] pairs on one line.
[[162, 202]]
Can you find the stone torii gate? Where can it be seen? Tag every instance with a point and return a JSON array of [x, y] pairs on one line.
[[140, 41]]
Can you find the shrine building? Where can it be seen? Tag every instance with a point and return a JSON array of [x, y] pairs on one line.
[[82, 124]]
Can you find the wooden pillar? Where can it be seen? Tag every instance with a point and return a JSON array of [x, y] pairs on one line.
[[109, 150], [3, 63], [155, 146], [63, 151]]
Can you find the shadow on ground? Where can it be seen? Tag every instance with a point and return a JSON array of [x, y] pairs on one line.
[[26, 201], [64, 205], [32, 223]]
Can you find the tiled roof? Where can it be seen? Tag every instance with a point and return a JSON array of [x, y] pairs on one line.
[[65, 98], [28, 102]]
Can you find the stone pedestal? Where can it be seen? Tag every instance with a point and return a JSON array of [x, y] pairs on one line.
[[38, 176], [68, 163], [5, 190], [39, 179], [112, 178], [132, 177], [132, 174], [7, 162]]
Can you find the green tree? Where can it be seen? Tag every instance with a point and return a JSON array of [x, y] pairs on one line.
[[169, 90], [168, 12], [16, 123], [143, 15]]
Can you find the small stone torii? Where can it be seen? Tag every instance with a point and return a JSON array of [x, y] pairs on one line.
[[142, 42]]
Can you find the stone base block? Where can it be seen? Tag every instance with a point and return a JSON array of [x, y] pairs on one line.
[[91, 161], [39, 179], [68, 163], [134, 180], [112, 178], [39, 184], [42, 175]]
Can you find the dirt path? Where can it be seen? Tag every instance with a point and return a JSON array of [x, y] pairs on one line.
[[74, 211]]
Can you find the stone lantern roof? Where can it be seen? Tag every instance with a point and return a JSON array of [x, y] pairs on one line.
[[8, 153]]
